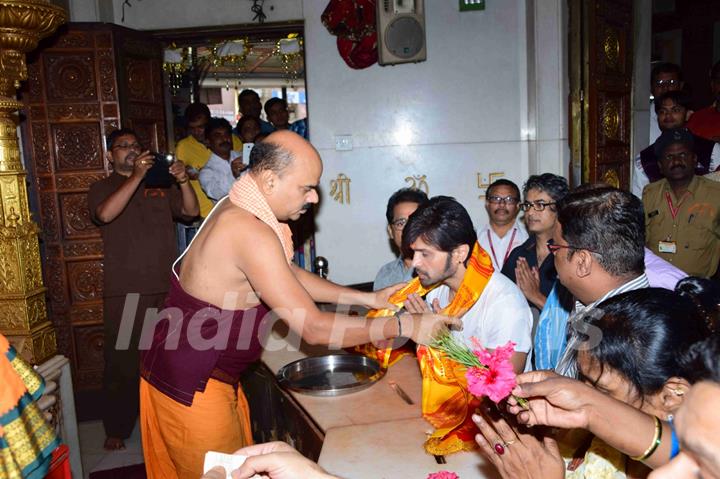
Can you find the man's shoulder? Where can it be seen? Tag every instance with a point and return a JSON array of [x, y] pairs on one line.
[[712, 188], [107, 184], [654, 188]]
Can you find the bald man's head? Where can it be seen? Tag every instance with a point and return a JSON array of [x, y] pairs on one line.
[[279, 151]]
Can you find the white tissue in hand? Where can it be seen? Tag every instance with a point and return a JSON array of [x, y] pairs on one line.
[[229, 461]]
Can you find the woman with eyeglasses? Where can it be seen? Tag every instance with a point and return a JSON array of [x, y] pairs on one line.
[[530, 265]]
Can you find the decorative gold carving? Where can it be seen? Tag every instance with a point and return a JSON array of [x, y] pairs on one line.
[[611, 48], [419, 182], [611, 178], [84, 248], [22, 24], [340, 189], [484, 182], [610, 119]]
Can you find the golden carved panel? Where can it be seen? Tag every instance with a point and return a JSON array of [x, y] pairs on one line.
[[610, 119]]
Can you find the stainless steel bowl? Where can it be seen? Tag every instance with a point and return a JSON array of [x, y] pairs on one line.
[[331, 375]]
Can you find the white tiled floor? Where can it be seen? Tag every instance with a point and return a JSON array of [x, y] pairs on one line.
[[95, 458]]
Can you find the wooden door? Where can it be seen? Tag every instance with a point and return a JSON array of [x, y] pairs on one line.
[[83, 83], [600, 78]]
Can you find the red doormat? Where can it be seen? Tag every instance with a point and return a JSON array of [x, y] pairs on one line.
[[135, 471]]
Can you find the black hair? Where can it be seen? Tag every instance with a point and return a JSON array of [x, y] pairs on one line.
[[503, 182], [195, 110], [272, 101], [645, 332], [115, 134], [701, 360], [215, 123], [267, 155], [441, 222], [665, 67], [705, 294], [248, 92], [245, 119], [608, 222], [554, 185], [678, 97], [404, 195]]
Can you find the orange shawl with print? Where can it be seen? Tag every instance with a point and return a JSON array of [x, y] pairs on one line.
[[446, 402], [246, 194]]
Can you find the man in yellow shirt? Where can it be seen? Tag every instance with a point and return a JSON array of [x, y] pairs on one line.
[[193, 151]]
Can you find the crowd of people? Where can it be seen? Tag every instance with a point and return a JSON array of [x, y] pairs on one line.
[[609, 296]]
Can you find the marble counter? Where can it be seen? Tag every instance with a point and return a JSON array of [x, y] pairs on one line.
[[393, 449], [372, 433], [377, 403]]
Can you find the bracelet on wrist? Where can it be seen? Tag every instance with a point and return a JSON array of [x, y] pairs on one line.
[[657, 439], [183, 181]]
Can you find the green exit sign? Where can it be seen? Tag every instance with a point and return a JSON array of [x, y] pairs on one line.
[[468, 5]]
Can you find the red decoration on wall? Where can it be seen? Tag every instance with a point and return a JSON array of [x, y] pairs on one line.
[[353, 22]]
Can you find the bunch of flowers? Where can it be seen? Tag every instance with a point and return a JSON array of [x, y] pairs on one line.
[[488, 374]]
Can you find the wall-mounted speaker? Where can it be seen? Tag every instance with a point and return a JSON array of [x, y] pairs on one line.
[[401, 31]]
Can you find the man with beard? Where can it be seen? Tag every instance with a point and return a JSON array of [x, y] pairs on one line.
[[682, 211], [136, 224], [459, 274], [673, 111], [238, 268], [706, 122], [224, 164], [503, 233]]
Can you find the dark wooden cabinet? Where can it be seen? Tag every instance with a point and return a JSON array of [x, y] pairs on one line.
[[83, 83], [277, 416]]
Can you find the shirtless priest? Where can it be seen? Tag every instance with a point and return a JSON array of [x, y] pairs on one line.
[[236, 270]]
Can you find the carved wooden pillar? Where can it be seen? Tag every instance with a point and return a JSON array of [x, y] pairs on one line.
[[23, 316]]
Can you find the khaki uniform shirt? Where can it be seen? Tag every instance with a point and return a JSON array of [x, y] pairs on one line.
[[695, 230]]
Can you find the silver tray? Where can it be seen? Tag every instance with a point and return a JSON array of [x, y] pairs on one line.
[[332, 375]]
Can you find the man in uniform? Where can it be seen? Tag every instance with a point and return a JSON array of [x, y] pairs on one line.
[[682, 209]]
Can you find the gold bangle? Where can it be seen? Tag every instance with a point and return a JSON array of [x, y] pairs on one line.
[[655, 442], [183, 181]]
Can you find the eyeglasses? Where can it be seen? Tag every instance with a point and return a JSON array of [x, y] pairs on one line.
[[127, 146], [536, 205], [556, 247], [667, 82], [399, 223], [496, 200]]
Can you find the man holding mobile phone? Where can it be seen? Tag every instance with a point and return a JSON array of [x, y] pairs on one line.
[[136, 225]]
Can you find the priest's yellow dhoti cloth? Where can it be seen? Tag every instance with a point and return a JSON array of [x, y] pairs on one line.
[[218, 420]]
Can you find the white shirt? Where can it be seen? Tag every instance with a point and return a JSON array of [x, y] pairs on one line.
[[499, 248], [654, 127], [216, 177], [500, 314], [640, 179]]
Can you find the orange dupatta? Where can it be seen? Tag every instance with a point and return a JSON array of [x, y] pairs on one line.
[[446, 402]]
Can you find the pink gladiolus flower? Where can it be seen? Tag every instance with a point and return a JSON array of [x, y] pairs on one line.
[[496, 379], [443, 475]]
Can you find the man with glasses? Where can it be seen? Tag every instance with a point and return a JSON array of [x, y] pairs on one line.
[[673, 111], [664, 77], [598, 251], [136, 225], [530, 265], [502, 233], [706, 122], [400, 206]]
